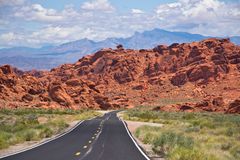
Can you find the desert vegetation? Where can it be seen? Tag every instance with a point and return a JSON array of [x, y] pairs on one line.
[[184, 136], [20, 125]]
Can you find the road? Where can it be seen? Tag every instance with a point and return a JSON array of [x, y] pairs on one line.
[[101, 138]]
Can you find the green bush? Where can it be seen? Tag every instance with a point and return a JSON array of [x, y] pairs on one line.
[[46, 132], [226, 146], [213, 135], [19, 125], [147, 133], [188, 116], [235, 151], [167, 141], [229, 132], [181, 153], [193, 129], [4, 136], [61, 125], [148, 138], [138, 132], [29, 135]]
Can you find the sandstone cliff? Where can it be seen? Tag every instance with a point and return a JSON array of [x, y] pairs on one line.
[[208, 71]]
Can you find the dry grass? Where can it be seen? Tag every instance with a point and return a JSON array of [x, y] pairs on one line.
[[20, 125], [195, 136]]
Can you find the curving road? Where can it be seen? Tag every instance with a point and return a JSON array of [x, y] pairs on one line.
[[102, 138]]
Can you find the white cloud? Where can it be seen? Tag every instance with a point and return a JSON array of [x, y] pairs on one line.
[[11, 2], [137, 11], [61, 34], [209, 17], [7, 37], [54, 33], [11, 39], [38, 13], [205, 16], [98, 5]]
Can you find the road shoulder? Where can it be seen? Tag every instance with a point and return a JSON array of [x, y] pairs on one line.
[[132, 126]]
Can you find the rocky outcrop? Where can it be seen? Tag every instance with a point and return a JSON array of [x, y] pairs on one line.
[[234, 107], [122, 78], [59, 95]]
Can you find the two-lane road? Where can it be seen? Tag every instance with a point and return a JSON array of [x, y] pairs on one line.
[[102, 138]]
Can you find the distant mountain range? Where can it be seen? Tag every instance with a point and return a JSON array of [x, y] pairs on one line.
[[48, 57]]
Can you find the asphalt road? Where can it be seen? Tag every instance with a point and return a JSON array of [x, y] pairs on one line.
[[102, 138]]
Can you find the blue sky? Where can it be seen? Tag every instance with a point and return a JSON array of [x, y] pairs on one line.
[[35, 23], [147, 5]]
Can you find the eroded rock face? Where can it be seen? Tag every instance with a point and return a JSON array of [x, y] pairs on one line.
[[179, 79], [27, 98], [59, 95], [234, 107], [218, 101], [122, 78]]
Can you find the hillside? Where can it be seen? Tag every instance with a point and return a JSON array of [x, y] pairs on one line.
[[206, 72], [32, 58]]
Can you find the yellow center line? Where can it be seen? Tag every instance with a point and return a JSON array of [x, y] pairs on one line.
[[84, 147], [78, 153]]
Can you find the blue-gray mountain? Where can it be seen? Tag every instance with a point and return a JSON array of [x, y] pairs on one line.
[[52, 56]]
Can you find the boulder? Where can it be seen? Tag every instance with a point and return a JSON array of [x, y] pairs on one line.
[[27, 98], [179, 79], [234, 107], [59, 95], [218, 101], [203, 72]]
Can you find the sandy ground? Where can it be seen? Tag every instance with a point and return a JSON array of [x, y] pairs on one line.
[[27, 145]]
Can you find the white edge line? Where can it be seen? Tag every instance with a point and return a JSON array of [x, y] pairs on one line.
[[144, 154], [47, 141]]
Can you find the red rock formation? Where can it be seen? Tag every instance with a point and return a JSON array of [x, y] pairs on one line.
[[114, 78], [234, 107]]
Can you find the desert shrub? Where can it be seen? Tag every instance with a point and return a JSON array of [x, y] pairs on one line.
[[207, 124], [195, 123], [235, 151], [188, 116], [137, 132], [15, 139], [61, 124], [167, 141], [19, 125], [229, 132], [147, 133], [46, 132], [148, 138], [181, 153], [4, 136], [214, 135], [193, 129], [226, 146], [29, 135]]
